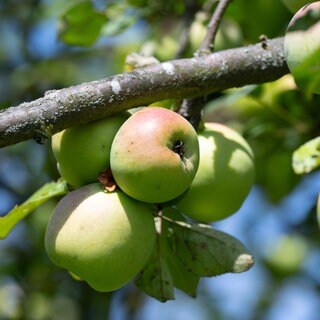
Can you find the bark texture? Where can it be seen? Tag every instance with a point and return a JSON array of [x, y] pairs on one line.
[[183, 78]]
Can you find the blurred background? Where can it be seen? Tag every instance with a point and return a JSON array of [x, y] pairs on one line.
[[54, 44]]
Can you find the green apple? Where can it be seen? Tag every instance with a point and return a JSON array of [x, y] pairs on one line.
[[286, 256], [155, 155], [102, 238], [224, 178], [302, 47], [83, 151]]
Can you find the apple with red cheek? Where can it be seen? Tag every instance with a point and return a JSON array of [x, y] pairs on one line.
[[155, 155]]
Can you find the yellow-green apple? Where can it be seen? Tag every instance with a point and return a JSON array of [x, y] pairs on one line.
[[102, 238], [224, 178], [155, 155], [286, 255], [302, 47], [83, 151]]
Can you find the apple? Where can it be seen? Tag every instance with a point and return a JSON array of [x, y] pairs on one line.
[[102, 238], [285, 256], [83, 151], [224, 178], [302, 47], [155, 155]]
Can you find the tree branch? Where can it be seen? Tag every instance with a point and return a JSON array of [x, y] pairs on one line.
[[208, 41], [184, 78], [190, 107]]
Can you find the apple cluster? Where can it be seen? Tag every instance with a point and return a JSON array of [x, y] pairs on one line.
[[103, 232]]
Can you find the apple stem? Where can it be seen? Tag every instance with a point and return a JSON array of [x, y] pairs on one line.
[[178, 148], [191, 110]]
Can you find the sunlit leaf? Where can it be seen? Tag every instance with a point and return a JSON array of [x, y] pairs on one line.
[[48, 191], [81, 24], [307, 157], [208, 252]]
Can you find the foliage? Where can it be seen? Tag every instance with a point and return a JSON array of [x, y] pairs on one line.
[[49, 45]]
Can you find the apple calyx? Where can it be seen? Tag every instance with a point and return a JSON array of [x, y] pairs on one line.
[[106, 179], [178, 148]]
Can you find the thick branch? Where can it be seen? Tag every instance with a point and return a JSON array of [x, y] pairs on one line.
[[184, 78]]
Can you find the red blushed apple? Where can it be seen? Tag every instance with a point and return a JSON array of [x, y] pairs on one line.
[[155, 155]]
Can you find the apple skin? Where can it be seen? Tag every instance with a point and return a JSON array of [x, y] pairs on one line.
[[302, 47], [102, 238], [224, 178], [83, 151], [155, 155]]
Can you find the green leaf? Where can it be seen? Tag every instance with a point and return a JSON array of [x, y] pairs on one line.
[[307, 157], [48, 191], [182, 278], [118, 24], [155, 278], [207, 252], [81, 25], [183, 253]]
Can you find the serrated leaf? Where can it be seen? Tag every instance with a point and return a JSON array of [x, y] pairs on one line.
[[81, 25], [155, 278], [307, 157], [208, 252], [46, 192]]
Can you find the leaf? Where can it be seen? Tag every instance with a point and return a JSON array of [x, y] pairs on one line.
[[307, 157], [207, 252], [118, 24], [46, 192], [81, 24], [182, 278], [155, 278]]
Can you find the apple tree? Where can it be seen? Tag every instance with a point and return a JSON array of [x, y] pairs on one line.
[[133, 131]]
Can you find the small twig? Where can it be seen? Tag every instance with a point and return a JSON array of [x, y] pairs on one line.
[[213, 26], [191, 108]]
